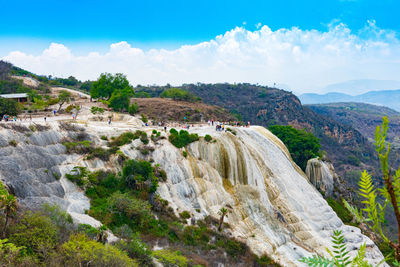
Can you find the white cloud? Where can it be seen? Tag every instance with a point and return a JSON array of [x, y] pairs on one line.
[[304, 60]]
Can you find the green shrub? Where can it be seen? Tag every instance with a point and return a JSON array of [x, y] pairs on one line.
[[81, 147], [56, 175], [231, 131], [136, 249], [78, 176], [182, 138], [133, 109], [184, 153], [13, 143], [103, 137], [96, 110], [143, 138], [170, 258], [144, 118], [208, 138], [196, 236], [185, 215], [126, 209], [126, 138]]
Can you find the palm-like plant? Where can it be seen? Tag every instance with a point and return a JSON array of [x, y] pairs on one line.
[[9, 204], [222, 212]]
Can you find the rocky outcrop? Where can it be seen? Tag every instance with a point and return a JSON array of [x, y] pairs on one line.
[[322, 175], [272, 206]]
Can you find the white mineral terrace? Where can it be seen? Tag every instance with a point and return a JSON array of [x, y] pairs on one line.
[[272, 206]]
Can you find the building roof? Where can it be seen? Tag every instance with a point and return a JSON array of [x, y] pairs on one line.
[[22, 95]]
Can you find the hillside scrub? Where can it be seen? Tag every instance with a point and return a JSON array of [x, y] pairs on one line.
[[301, 144], [126, 203], [180, 95]]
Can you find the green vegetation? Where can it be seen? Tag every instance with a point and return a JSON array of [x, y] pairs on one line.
[[341, 211], [231, 131], [181, 138], [63, 97], [208, 138], [185, 215], [119, 100], [115, 88], [133, 109], [96, 110], [144, 118], [13, 143], [179, 94], [301, 144], [9, 107], [81, 251], [47, 237], [373, 213], [339, 256], [107, 84], [170, 258], [127, 137]]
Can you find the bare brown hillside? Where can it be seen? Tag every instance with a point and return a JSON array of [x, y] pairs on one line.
[[162, 109]]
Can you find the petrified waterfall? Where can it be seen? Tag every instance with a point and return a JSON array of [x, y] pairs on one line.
[[272, 205]]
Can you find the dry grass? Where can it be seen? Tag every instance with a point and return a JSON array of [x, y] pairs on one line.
[[161, 109]]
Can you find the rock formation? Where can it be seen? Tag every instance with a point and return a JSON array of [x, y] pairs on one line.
[[272, 205], [322, 175]]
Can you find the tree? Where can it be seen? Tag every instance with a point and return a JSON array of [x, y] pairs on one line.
[[9, 107], [87, 86], [107, 83], [63, 97], [301, 144], [373, 212], [222, 212], [119, 100]]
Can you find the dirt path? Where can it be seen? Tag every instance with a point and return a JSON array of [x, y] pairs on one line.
[[72, 91]]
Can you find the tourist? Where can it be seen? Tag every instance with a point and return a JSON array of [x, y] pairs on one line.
[[45, 118]]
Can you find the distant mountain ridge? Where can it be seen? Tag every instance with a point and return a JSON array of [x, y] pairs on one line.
[[388, 98], [357, 87]]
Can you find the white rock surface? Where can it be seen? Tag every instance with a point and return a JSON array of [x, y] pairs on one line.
[[272, 205], [322, 175]]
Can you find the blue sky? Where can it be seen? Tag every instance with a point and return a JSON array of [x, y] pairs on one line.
[[151, 23], [83, 26]]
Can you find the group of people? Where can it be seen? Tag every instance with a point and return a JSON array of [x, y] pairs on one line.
[[221, 126], [7, 118]]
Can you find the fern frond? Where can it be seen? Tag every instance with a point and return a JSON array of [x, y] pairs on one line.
[[368, 192], [340, 253], [317, 261], [358, 260]]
